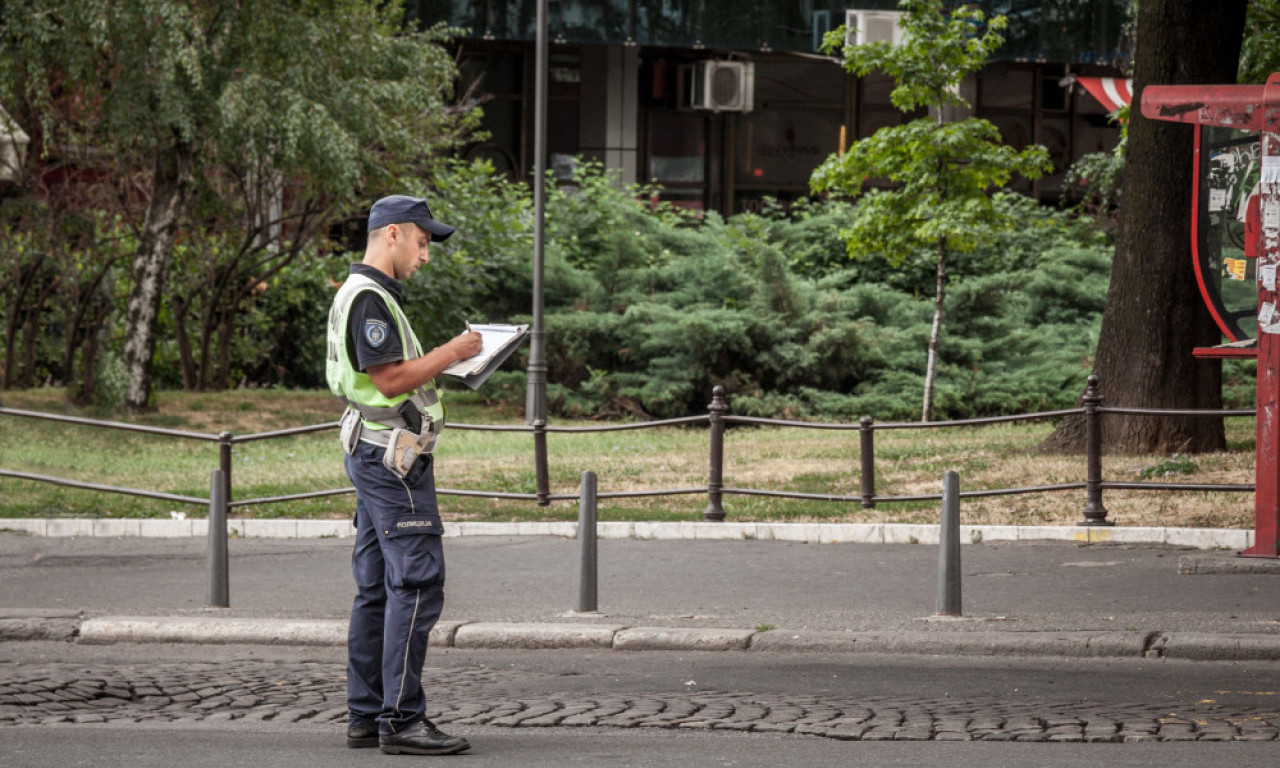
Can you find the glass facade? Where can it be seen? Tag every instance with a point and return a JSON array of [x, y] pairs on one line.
[[1064, 31], [618, 74]]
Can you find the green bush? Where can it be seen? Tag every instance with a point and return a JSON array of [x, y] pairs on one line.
[[647, 310]]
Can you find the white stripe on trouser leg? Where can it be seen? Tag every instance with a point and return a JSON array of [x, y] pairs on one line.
[[404, 669], [413, 509]]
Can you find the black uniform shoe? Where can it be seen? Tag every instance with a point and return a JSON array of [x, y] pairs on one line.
[[422, 739], [362, 735]]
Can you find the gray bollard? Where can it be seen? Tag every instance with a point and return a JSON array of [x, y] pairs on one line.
[[949, 547], [587, 600], [219, 589]]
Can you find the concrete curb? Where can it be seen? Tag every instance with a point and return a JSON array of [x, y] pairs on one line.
[[1204, 646], [38, 629], [1078, 644], [534, 636], [1208, 563], [813, 533], [135, 629], [682, 639], [1195, 646]]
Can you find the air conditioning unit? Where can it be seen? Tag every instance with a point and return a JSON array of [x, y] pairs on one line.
[[862, 27], [720, 86]]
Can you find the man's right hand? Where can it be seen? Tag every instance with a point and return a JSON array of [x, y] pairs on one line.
[[403, 376], [466, 344]]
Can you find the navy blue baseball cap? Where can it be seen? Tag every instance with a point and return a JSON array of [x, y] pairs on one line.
[[398, 209]]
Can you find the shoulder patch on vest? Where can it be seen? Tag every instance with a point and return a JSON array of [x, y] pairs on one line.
[[375, 332]]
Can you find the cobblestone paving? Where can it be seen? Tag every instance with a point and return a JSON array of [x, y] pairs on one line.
[[315, 692]]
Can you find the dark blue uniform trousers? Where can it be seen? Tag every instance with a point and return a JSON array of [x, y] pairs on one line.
[[398, 564]]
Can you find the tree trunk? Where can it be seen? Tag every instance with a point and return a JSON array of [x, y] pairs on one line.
[[20, 280], [170, 189], [226, 327], [30, 334], [180, 308], [43, 286], [89, 360], [82, 330], [935, 333], [1154, 314]]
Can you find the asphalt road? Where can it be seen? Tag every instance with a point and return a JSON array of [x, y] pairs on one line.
[[1014, 587], [194, 747], [1130, 694]]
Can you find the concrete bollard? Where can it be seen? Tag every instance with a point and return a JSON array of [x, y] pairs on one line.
[[587, 561], [949, 547], [219, 581]]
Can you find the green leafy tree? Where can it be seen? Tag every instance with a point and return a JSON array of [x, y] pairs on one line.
[[257, 113], [940, 175], [1260, 53]]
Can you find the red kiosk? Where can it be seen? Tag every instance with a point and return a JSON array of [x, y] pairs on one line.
[[1235, 238]]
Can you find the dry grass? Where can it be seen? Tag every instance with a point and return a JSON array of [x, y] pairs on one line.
[[908, 462], [911, 462]]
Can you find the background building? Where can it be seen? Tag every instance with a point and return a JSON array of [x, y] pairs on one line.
[[656, 88]]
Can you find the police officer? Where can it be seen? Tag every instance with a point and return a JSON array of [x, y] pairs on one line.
[[394, 415]]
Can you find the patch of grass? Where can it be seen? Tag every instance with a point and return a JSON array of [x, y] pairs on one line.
[[1174, 465], [818, 482], [908, 462]]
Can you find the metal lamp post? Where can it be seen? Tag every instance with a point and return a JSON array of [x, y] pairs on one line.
[[535, 406]]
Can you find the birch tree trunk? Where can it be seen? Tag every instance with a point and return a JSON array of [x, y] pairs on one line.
[[935, 333], [170, 190]]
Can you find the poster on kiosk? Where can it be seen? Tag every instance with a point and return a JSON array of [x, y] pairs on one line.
[[1235, 234]]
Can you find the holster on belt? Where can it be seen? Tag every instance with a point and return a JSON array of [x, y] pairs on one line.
[[404, 448]]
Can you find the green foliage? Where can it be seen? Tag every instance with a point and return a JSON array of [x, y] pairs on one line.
[[1174, 465], [1239, 383], [1260, 53], [481, 273], [110, 385], [767, 305], [937, 52], [941, 176], [1097, 176], [305, 88], [809, 234], [940, 173], [251, 126], [935, 178], [756, 304], [281, 336], [61, 297]]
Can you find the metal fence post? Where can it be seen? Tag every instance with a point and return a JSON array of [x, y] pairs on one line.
[[715, 479], [867, 453], [587, 561], [219, 588], [540, 462], [1094, 512], [949, 547]]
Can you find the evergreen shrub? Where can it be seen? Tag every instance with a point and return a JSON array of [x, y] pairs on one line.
[[648, 308]]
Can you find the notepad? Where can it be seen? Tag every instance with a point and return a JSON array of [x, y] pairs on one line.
[[498, 341]]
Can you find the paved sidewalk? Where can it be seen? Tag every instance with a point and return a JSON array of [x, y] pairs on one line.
[[1021, 596]]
